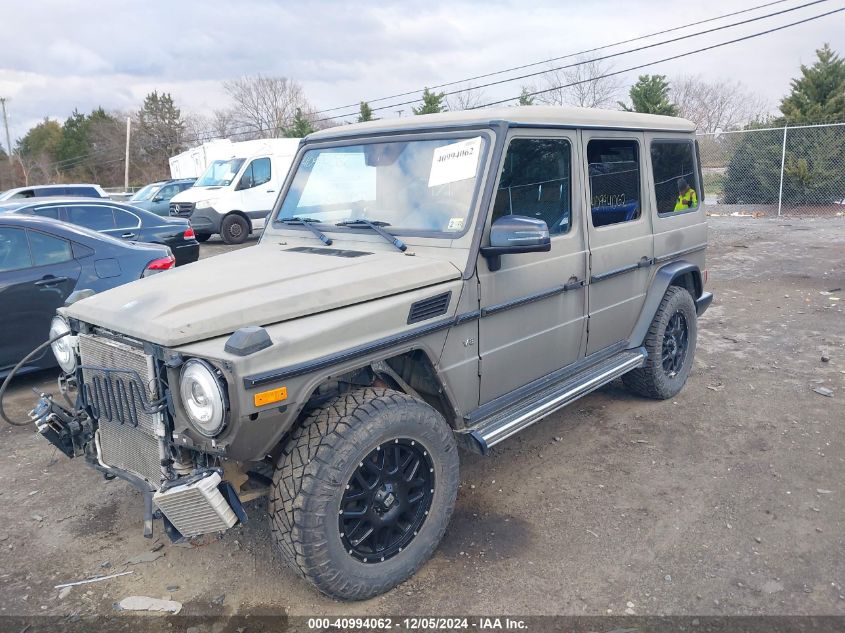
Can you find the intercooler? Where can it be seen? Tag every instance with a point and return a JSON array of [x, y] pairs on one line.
[[120, 388]]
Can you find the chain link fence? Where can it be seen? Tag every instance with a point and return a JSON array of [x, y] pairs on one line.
[[784, 171]]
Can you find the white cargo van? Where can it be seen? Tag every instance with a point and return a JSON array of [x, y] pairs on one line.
[[234, 195]]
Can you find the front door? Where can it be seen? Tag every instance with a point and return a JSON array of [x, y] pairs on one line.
[[258, 193], [533, 308], [620, 236]]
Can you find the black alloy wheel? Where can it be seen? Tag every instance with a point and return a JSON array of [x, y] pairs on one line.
[[675, 344], [386, 500]]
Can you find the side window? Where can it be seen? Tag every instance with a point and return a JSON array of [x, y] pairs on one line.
[[85, 192], [676, 187], [166, 193], [93, 217], [48, 249], [614, 170], [256, 173], [14, 249], [47, 212], [125, 220], [260, 171], [535, 182]]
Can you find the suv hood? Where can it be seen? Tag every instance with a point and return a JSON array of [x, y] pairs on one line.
[[261, 285]]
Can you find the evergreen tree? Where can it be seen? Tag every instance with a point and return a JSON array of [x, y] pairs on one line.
[[431, 102], [161, 125], [819, 94], [366, 113], [525, 98], [812, 171], [300, 126], [650, 94]]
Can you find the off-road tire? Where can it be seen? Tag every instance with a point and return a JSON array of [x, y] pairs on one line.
[[234, 229], [651, 380], [321, 455], [202, 237]]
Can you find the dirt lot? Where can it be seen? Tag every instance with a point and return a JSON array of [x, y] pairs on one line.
[[728, 500]]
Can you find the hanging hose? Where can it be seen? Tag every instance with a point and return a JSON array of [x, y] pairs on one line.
[[12, 375]]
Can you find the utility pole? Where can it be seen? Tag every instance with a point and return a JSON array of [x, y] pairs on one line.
[[6, 123], [126, 168]]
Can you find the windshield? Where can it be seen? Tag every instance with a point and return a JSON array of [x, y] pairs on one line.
[[145, 193], [220, 173], [409, 186]]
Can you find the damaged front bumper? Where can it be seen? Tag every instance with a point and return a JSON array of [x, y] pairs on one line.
[[190, 505]]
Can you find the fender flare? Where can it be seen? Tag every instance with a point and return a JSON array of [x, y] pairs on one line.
[[661, 282]]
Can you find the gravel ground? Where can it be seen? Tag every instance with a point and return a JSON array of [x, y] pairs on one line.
[[727, 500]]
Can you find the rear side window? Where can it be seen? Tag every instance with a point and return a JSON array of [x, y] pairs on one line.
[[96, 218], [14, 249], [614, 172], [85, 192], [125, 220], [676, 187], [48, 249], [535, 182]]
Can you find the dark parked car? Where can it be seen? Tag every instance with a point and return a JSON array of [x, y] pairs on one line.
[[156, 196], [42, 262], [118, 220], [49, 191]]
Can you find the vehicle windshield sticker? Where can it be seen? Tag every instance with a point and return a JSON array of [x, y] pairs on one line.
[[455, 224], [454, 162]]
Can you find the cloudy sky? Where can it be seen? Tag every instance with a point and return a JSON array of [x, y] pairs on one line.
[[59, 55]]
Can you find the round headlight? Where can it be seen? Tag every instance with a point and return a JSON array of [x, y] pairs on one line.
[[202, 397], [63, 348]]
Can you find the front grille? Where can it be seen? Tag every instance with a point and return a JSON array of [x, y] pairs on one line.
[[182, 209], [120, 389]]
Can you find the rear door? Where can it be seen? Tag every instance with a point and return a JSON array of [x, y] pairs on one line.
[[37, 274], [620, 234], [257, 190]]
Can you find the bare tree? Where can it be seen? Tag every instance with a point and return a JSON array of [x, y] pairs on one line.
[[466, 98], [584, 85], [267, 105], [718, 105]]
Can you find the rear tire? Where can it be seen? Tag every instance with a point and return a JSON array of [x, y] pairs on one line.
[[670, 343], [202, 237], [359, 459], [234, 229]]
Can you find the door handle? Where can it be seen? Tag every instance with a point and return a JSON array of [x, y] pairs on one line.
[[573, 284], [50, 281], [270, 191], [127, 235], [644, 262]]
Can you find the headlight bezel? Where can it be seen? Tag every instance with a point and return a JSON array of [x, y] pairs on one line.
[[202, 373], [64, 349]]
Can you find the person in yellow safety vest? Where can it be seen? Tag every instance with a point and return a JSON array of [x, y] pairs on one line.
[[686, 196]]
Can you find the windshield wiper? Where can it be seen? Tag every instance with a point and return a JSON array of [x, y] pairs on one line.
[[307, 223], [375, 225]]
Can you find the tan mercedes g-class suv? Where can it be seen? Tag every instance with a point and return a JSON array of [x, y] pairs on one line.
[[422, 284]]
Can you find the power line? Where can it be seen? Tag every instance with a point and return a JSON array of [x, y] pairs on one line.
[[554, 59], [666, 59], [604, 57]]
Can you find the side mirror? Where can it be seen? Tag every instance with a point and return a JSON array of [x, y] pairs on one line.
[[515, 234], [158, 199], [245, 183]]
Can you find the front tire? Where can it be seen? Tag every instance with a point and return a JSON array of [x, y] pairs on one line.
[[363, 492], [670, 344], [234, 229]]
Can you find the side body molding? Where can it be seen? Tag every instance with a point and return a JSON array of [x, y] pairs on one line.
[[662, 280]]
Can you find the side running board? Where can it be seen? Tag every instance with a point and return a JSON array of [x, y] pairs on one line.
[[502, 424]]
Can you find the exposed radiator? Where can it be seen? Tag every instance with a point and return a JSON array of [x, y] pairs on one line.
[[119, 387]]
